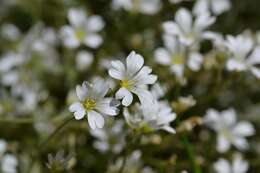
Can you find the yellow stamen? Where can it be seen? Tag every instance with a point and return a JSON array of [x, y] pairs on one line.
[[80, 34], [124, 84], [177, 59], [89, 104]]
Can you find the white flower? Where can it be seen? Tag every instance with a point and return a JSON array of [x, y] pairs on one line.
[[243, 54], [134, 77], [93, 103], [83, 60], [149, 7], [175, 55], [217, 7], [83, 29], [151, 117], [187, 30], [10, 32], [3, 146], [229, 132], [110, 138], [237, 166], [9, 163]]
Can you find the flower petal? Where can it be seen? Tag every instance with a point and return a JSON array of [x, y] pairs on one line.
[[126, 95], [244, 129], [222, 144], [95, 23], [162, 56], [93, 40], [134, 63]]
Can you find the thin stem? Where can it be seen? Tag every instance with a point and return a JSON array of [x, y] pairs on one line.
[[45, 142], [121, 170], [190, 153]]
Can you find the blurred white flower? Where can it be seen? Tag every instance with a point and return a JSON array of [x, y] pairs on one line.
[[151, 117], [238, 165], [243, 54], [110, 138], [176, 55], [158, 91], [228, 130], [84, 59], [188, 31], [149, 7], [217, 7], [134, 77], [93, 103], [83, 29], [10, 60], [133, 163], [9, 163], [10, 32], [178, 1], [3, 146]]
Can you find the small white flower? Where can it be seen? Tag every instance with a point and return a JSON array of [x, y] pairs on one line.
[[217, 7], [228, 130], [175, 55], [110, 138], [10, 32], [149, 7], [243, 54], [93, 103], [3, 146], [134, 77], [83, 29], [83, 60], [237, 166], [9, 163], [187, 30], [151, 117]]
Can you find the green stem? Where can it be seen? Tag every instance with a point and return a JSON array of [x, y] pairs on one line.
[[45, 142], [190, 152]]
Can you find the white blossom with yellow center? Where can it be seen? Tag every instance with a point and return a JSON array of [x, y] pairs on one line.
[[82, 29], [189, 31], [92, 101], [228, 131], [133, 77]]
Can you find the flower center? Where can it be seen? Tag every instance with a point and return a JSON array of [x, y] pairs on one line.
[[89, 104], [125, 84], [177, 59], [226, 134], [80, 34]]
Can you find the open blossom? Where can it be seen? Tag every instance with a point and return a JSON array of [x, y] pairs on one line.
[[149, 7], [83, 29], [9, 163], [93, 103], [110, 138], [175, 55], [151, 117], [217, 7], [243, 55], [134, 77], [228, 130], [238, 165], [187, 30]]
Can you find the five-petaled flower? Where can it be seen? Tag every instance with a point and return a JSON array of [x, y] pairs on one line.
[[83, 29], [92, 101], [229, 132], [134, 78]]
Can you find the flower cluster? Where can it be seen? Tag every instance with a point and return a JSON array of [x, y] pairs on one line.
[[129, 86]]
